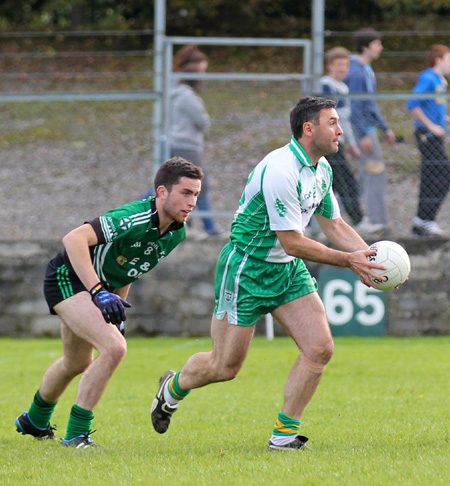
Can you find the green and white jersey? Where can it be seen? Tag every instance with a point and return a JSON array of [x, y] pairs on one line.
[[129, 242], [282, 193]]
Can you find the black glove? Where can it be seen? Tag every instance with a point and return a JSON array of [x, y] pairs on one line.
[[111, 305]]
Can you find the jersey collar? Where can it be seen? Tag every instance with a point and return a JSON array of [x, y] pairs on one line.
[[300, 153]]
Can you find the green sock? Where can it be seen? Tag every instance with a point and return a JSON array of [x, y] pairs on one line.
[[286, 425], [80, 422], [41, 411], [175, 390]]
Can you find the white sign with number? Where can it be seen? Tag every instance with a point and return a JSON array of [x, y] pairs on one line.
[[340, 297], [352, 308]]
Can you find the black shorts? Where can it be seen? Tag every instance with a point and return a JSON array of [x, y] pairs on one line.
[[60, 282]]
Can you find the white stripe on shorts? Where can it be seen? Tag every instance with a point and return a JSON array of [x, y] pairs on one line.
[[233, 315]]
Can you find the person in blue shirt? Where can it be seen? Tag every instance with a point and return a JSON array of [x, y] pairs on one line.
[[366, 120], [430, 123]]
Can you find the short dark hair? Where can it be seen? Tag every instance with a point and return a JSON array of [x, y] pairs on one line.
[[308, 110], [364, 37], [173, 170]]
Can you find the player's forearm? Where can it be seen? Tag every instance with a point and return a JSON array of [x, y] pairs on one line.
[[341, 234], [123, 291], [77, 248], [305, 248], [419, 114], [346, 239]]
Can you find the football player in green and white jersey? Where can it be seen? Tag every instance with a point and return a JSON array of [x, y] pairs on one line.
[[261, 270], [88, 283]]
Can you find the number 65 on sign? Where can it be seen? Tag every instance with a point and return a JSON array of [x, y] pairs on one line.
[[352, 308]]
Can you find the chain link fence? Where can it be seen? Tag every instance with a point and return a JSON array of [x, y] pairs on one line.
[[64, 162]]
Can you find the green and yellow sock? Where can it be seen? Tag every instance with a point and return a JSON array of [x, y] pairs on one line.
[[41, 411], [286, 426], [174, 389], [80, 422]]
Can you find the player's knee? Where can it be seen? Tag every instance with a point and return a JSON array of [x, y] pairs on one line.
[[316, 359], [78, 367], [325, 351], [117, 352], [226, 372], [226, 375]]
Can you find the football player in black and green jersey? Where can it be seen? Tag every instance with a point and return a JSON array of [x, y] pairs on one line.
[[87, 286], [261, 270]]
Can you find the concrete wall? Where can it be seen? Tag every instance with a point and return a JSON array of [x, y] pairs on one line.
[[177, 297]]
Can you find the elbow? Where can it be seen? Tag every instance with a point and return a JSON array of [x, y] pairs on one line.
[[290, 250], [292, 246], [67, 239]]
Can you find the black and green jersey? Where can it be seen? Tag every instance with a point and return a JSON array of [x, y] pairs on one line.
[[129, 242]]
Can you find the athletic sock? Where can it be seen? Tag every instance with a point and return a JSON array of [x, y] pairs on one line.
[[285, 429], [80, 422], [41, 411], [173, 393]]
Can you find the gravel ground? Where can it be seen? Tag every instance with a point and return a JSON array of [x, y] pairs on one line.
[[64, 163]]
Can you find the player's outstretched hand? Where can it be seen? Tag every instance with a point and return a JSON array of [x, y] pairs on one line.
[[111, 305], [361, 264]]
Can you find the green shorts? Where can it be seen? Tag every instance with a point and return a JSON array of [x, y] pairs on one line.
[[247, 288]]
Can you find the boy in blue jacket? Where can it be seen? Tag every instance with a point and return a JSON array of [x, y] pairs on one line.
[[430, 122], [366, 120]]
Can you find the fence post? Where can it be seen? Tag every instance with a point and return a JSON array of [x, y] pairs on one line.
[[269, 327], [158, 72], [317, 38]]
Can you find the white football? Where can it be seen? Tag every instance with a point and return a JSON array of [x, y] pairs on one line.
[[395, 259]]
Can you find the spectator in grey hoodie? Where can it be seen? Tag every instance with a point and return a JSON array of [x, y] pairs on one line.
[[189, 122]]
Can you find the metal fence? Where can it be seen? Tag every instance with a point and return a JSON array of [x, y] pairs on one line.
[[76, 126], [88, 144]]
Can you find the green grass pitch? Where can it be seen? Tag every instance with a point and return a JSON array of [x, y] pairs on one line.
[[380, 416]]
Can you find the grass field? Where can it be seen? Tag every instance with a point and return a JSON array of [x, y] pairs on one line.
[[380, 417]]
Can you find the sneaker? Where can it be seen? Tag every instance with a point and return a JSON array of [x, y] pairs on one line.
[[423, 227], [83, 441], [161, 410], [25, 426], [366, 227], [298, 443]]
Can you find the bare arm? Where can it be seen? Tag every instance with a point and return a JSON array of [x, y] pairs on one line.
[[112, 305], [77, 244], [435, 129], [354, 255], [123, 291], [341, 234]]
